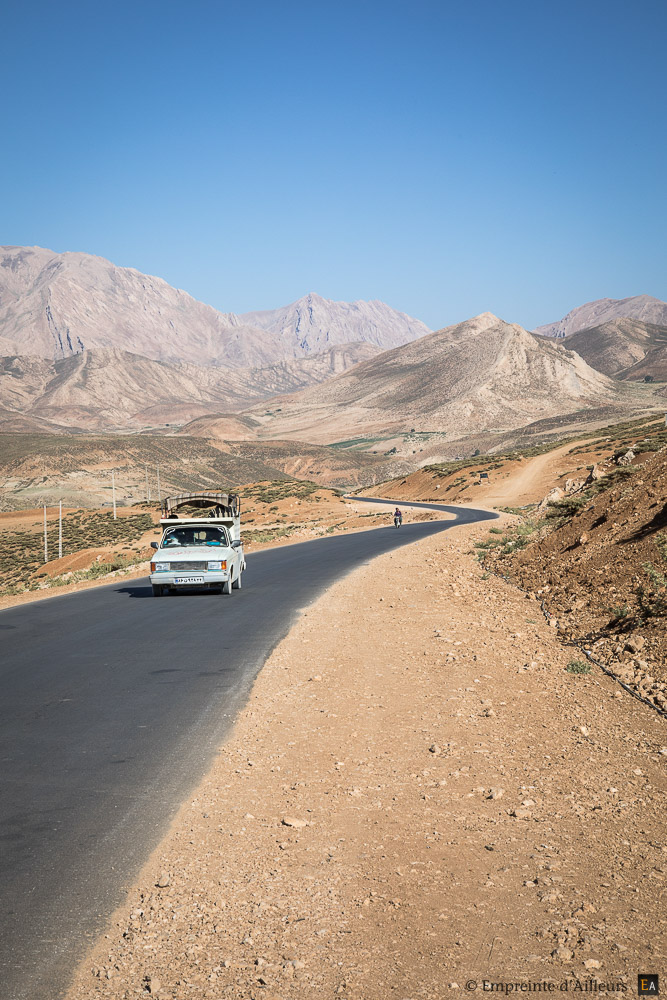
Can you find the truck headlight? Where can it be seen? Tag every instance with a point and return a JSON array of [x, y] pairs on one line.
[[159, 567], [218, 565]]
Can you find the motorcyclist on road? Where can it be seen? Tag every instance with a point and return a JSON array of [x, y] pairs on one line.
[[398, 518]]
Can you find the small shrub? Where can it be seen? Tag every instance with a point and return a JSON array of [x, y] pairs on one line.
[[661, 545], [489, 543], [565, 509], [578, 667], [653, 598], [620, 612], [519, 511], [268, 534]]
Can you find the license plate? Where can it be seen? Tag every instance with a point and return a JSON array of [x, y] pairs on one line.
[[189, 579]]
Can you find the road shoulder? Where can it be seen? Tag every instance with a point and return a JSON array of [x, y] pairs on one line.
[[417, 794]]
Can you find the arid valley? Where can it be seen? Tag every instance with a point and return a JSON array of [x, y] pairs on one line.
[[333, 500], [450, 767]]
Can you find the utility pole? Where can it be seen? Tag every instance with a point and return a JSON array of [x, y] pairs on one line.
[[113, 494], [60, 531], [159, 494], [148, 486], [46, 543]]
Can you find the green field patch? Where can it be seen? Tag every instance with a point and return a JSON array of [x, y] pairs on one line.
[[280, 489], [360, 443]]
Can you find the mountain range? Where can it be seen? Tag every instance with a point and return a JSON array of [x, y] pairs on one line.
[[89, 346], [56, 305]]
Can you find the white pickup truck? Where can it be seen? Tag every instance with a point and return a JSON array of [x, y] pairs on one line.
[[202, 553]]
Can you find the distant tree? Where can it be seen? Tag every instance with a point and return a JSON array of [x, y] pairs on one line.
[[649, 378], [476, 452]]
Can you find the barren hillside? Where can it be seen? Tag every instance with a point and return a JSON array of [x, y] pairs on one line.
[[110, 390], [105, 390], [653, 366], [337, 467], [38, 469], [623, 348], [56, 305], [599, 562], [479, 375]]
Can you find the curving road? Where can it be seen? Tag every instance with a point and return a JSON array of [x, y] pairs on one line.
[[113, 704]]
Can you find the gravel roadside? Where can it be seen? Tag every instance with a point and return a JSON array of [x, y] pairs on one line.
[[417, 795]]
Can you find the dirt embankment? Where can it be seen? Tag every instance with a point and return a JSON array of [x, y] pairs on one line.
[[599, 574], [417, 795]]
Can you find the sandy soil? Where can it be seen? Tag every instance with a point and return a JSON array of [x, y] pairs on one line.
[[529, 480], [417, 795]]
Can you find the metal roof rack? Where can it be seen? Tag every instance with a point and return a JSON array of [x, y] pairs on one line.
[[225, 504]]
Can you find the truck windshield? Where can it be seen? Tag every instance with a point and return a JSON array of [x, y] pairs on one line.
[[184, 537]]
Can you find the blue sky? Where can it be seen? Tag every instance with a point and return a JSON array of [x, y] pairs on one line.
[[447, 158]]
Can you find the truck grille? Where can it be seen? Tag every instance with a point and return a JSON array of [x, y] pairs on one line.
[[187, 566]]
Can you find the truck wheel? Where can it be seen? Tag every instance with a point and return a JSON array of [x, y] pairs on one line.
[[157, 590], [237, 582], [227, 586]]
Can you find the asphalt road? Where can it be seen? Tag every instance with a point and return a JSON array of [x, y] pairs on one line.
[[112, 706]]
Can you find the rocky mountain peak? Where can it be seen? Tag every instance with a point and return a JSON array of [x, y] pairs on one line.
[[313, 324]]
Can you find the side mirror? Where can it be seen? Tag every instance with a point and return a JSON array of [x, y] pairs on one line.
[[155, 545], [236, 543]]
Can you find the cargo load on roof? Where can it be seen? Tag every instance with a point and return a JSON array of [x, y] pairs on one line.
[[227, 503]]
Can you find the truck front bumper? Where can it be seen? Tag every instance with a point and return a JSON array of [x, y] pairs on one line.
[[182, 580]]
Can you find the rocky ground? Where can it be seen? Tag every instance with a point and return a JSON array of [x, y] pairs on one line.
[[601, 572], [418, 796]]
